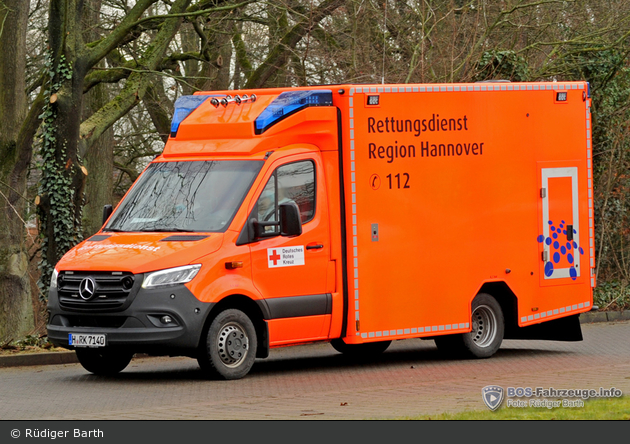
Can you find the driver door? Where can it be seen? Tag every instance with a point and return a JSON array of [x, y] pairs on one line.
[[291, 272]]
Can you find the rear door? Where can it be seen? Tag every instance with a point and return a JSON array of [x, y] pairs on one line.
[[560, 225]]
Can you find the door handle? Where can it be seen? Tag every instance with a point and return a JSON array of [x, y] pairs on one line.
[[314, 246]]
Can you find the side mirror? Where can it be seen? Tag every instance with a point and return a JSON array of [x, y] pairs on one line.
[[107, 211], [290, 222]]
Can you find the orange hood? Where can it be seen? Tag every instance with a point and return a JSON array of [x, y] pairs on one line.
[[138, 252]]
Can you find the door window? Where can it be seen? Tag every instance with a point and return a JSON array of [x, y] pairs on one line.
[[294, 182]]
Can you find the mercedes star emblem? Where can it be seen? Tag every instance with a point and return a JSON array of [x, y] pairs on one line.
[[87, 288]]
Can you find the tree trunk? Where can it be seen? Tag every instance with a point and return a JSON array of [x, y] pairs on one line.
[[100, 162], [16, 306], [63, 177]]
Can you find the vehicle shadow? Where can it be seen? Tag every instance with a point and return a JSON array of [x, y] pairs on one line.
[[290, 362]]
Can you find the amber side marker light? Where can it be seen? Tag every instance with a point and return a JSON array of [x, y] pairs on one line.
[[233, 265]]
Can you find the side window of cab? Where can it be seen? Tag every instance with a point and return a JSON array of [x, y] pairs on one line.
[[293, 182]]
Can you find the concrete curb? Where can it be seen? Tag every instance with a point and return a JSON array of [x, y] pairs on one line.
[[49, 358], [604, 316], [69, 357]]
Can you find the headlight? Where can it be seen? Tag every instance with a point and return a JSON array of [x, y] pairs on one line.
[[171, 276], [53, 279]]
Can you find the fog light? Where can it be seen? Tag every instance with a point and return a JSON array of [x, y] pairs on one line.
[[166, 319], [127, 282]]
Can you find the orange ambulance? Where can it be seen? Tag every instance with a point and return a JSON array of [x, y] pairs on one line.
[[354, 214]]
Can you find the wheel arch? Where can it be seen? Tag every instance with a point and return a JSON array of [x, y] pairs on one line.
[[508, 301], [252, 309]]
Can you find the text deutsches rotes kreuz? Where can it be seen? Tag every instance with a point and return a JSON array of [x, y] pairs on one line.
[[285, 256]]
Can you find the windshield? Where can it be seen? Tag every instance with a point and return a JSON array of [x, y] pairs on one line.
[[185, 196]]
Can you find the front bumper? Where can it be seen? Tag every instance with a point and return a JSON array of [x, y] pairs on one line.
[[138, 326]]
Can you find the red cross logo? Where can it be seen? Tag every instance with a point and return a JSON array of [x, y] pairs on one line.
[[275, 257]]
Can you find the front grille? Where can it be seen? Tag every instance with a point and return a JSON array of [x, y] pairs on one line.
[[110, 292]]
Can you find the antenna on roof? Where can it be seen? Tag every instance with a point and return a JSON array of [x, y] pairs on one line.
[[384, 31]]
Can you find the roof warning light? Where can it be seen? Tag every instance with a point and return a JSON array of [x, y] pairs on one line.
[[185, 105], [290, 102]]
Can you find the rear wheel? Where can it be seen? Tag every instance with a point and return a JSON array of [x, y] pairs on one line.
[[487, 331], [103, 361], [360, 350], [229, 349]]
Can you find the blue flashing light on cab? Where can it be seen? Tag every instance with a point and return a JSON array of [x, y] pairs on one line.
[[290, 102], [185, 105]]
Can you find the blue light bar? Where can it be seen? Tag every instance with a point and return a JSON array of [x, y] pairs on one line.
[[183, 107], [290, 102]]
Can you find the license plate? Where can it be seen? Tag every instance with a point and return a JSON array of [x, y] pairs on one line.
[[86, 340]]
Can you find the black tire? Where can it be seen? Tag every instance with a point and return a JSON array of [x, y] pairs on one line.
[[105, 361], [488, 327], [229, 349], [360, 350]]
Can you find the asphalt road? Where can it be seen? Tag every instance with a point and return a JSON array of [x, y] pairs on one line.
[[315, 382]]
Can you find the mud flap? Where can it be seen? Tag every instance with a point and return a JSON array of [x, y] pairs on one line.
[[564, 329], [263, 340]]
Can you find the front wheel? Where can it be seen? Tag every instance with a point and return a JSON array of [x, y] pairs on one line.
[[104, 362], [487, 331], [229, 349]]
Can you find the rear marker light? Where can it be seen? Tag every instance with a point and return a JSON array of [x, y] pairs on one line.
[[373, 100]]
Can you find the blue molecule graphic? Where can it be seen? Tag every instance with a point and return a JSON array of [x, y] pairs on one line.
[[548, 269], [565, 250], [562, 221]]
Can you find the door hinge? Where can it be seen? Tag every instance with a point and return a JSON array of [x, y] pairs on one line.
[[543, 192], [545, 256], [358, 327]]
